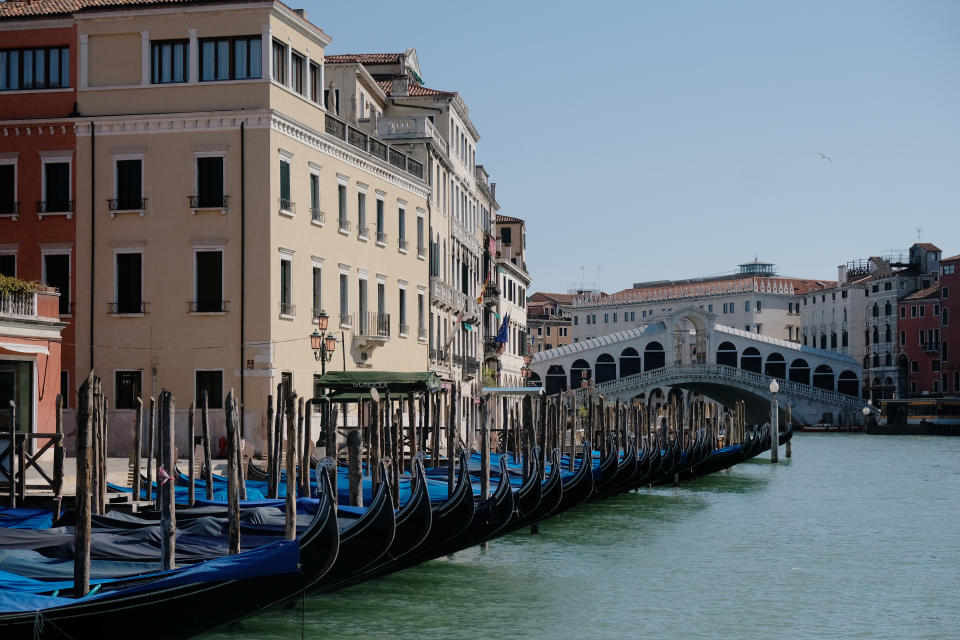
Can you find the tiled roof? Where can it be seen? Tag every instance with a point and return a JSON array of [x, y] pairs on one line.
[[365, 58], [951, 258], [507, 219], [928, 246], [561, 298], [929, 292], [786, 286], [414, 90]]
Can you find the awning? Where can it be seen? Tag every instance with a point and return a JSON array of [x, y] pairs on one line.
[[513, 391], [350, 386], [19, 347]]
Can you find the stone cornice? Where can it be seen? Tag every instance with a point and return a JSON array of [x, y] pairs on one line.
[[165, 123]]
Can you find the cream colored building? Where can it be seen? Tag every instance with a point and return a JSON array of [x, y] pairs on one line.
[[221, 207], [513, 282]]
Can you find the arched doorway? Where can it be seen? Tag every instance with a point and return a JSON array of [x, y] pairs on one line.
[[751, 360], [579, 370], [630, 362], [776, 366], [653, 356], [727, 354], [848, 384], [800, 371], [606, 368], [823, 377], [534, 379], [556, 380]]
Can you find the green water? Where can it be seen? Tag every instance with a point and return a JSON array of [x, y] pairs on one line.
[[856, 537]]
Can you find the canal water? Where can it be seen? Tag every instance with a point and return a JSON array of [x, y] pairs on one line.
[[856, 537]]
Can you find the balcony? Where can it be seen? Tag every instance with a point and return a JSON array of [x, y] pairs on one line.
[[18, 303], [402, 245], [127, 205], [343, 225], [55, 207], [458, 360], [11, 209], [363, 231], [410, 127], [438, 355], [346, 320], [208, 306], [491, 294], [287, 206], [368, 144], [317, 216], [471, 367], [127, 308], [372, 330], [382, 238], [287, 309], [491, 347], [209, 203]]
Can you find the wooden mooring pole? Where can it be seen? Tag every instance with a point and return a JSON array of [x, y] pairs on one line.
[[233, 493], [166, 487], [354, 468], [207, 459], [81, 561], [191, 457], [290, 530]]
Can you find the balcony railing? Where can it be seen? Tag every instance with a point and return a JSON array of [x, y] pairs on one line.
[[378, 149], [346, 320], [208, 306], [335, 127], [344, 224], [286, 204], [317, 216], [362, 231], [458, 360], [491, 346], [357, 138], [402, 244], [208, 202], [382, 237], [373, 324], [288, 309], [9, 208], [366, 142], [18, 303], [55, 206], [404, 329], [127, 204], [422, 332], [127, 307], [421, 251], [471, 366]]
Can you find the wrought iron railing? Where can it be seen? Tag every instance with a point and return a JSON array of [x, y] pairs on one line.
[[208, 306], [127, 306], [286, 204], [316, 215], [209, 202], [363, 230], [344, 224], [9, 208], [127, 204], [373, 324], [288, 309], [55, 206], [402, 244]]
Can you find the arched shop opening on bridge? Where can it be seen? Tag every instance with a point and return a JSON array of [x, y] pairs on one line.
[[606, 368], [630, 362], [556, 379], [654, 356], [579, 370]]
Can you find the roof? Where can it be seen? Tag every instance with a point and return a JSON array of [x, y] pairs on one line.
[[501, 219], [36, 8], [667, 291], [929, 292], [356, 385], [950, 259], [560, 298], [414, 90], [928, 246], [365, 58]]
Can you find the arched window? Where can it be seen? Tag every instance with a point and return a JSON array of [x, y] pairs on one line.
[[844, 339], [876, 360], [823, 341], [866, 362], [888, 309], [653, 356], [887, 336], [823, 377], [751, 360], [556, 380], [866, 336], [833, 339], [847, 383], [727, 354], [776, 366], [606, 368], [888, 360], [579, 371], [876, 335], [876, 310], [800, 371], [630, 362]]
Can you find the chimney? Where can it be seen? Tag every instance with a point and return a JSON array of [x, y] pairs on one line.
[[301, 12], [493, 190], [841, 273], [400, 87]]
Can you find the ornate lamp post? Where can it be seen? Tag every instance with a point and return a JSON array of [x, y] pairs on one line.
[[322, 343], [774, 423]]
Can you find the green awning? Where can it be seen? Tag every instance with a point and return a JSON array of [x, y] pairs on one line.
[[350, 386]]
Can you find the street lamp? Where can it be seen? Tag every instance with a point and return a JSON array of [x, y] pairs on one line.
[[322, 343], [774, 423]]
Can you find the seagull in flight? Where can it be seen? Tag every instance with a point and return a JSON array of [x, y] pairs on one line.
[[825, 157]]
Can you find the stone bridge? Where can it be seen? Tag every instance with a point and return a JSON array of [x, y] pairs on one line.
[[688, 350]]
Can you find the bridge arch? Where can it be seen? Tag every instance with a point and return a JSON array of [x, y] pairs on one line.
[[579, 370], [800, 371], [630, 362], [727, 354], [776, 366], [847, 383], [605, 368], [556, 379], [654, 356], [751, 360], [823, 377]]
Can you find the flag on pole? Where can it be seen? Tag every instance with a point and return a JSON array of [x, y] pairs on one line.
[[502, 335], [453, 331]]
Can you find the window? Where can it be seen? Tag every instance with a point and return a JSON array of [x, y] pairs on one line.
[[922, 309], [129, 283], [362, 214], [403, 311], [316, 81], [342, 205], [56, 187], [208, 288], [169, 61], [129, 185], [210, 182], [903, 338], [576, 320], [614, 317], [421, 330], [56, 273], [420, 245], [935, 365], [298, 62], [402, 227], [914, 368], [8, 264], [606, 318], [843, 294], [279, 62], [903, 311], [759, 308], [548, 329], [285, 203], [913, 311], [317, 292], [944, 316], [936, 309], [210, 382], [506, 235], [948, 270], [945, 293], [47, 68], [286, 285], [315, 198], [344, 300], [230, 58], [127, 386], [844, 339], [8, 187], [381, 230]]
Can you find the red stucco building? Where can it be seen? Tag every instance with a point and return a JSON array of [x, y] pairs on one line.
[[38, 96]]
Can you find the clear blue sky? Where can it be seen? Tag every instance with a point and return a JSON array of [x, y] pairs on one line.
[[677, 139]]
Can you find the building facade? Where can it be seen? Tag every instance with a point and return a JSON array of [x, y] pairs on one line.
[[510, 321], [548, 320]]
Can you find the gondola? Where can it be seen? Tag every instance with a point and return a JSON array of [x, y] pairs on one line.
[[578, 487], [551, 493], [626, 471], [188, 601], [605, 473]]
